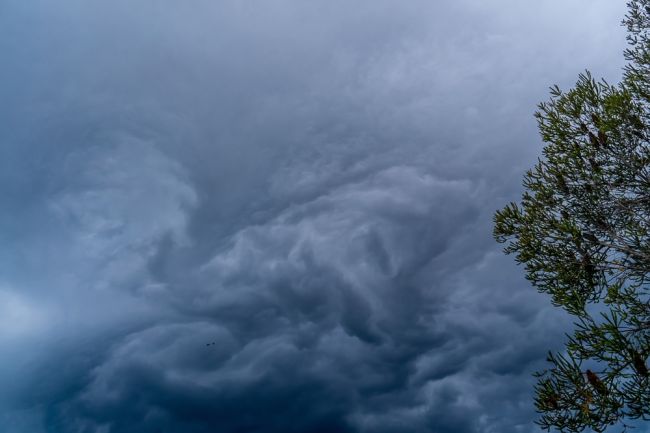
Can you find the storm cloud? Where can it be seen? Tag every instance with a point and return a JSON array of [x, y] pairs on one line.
[[226, 216]]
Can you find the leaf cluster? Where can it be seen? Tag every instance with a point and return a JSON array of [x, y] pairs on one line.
[[582, 231]]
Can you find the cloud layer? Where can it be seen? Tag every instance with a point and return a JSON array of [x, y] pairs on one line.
[[274, 216]]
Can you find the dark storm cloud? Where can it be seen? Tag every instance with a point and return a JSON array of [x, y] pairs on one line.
[[274, 217]]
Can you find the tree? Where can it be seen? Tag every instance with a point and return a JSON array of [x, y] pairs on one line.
[[582, 231]]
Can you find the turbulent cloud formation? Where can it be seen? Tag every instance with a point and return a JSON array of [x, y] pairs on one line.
[[275, 216]]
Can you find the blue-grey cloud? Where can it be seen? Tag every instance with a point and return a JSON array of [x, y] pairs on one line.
[[274, 216]]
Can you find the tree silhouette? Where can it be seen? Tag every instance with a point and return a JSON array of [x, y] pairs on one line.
[[582, 231]]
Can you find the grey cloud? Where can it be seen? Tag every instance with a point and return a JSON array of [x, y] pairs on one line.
[[274, 217]]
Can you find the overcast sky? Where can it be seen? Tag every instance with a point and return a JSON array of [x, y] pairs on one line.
[[275, 216]]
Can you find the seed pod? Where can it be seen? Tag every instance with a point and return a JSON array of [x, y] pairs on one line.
[[562, 183], [639, 364], [596, 383], [551, 401], [590, 271], [584, 407], [595, 119]]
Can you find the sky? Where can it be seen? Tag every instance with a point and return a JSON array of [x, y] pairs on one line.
[[275, 216]]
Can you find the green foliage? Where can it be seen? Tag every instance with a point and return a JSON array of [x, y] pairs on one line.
[[582, 231]]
